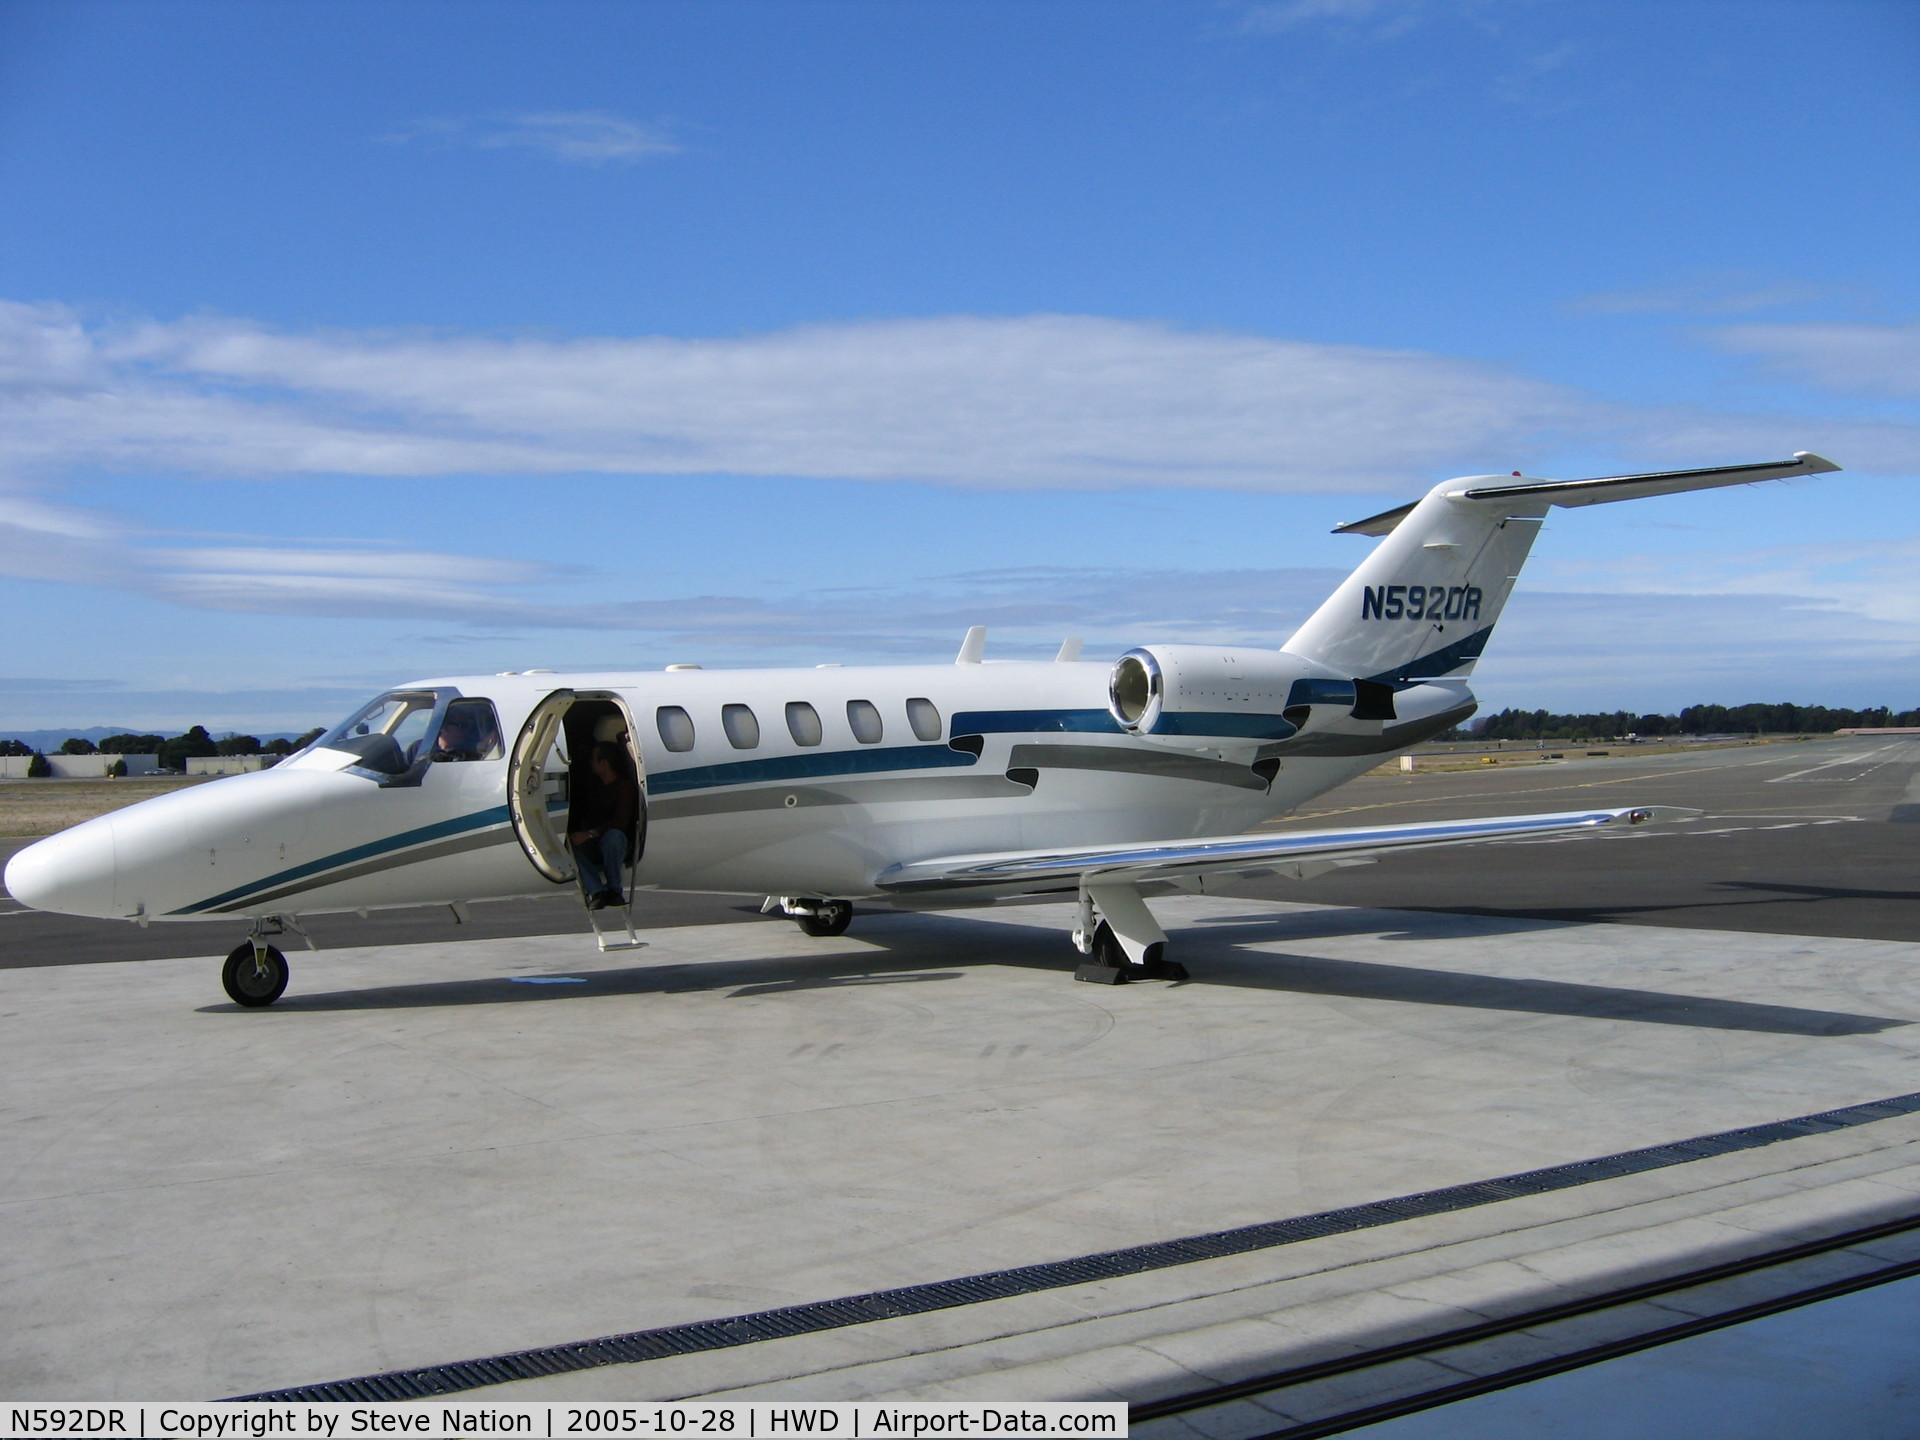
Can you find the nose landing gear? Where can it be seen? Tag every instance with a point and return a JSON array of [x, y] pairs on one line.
[[256, 973]]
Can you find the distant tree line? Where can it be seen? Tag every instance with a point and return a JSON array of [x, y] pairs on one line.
[[1781, 719], [173, 751]]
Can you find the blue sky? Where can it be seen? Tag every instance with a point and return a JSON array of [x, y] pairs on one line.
[[342, 344]]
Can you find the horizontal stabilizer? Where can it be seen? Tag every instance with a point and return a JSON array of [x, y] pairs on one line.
[[1150, 860], [1611, 487]]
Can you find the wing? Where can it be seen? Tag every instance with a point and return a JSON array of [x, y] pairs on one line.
[[1298, 853]]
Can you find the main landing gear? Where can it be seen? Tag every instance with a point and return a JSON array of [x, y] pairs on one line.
[[255, 974], [816, 917], [1126, 944]]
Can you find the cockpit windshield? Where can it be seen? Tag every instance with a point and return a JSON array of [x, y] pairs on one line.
[[386, 734], [398, 735]]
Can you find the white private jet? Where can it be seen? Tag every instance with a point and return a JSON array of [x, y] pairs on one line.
[[924, 786]]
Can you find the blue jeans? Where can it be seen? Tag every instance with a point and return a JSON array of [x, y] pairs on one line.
[[602, 862]]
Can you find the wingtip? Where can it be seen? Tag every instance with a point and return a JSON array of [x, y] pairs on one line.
[[1660, 814], [1815, 464]]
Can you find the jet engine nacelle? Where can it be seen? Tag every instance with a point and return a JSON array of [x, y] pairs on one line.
[[1231, 693]]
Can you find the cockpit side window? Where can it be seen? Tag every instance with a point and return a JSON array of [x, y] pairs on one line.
[[470, 731]]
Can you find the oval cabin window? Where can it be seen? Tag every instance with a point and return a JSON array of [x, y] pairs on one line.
[[676, 728], [803, 723], [924, 716], [741, 725], [864, 720]]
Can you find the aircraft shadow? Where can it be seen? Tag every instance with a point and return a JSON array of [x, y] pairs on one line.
[[1374, 980], [1756, 893], [900, 951]]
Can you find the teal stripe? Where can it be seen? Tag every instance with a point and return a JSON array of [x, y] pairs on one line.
[[1224, 724], [459, 825], [807, 767], [1440, 662]]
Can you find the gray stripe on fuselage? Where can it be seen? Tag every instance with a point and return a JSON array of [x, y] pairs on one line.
[[1131, 760], [458, 845], [851, 792]]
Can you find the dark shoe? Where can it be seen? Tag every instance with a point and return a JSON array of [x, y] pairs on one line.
[[613, 900], [598, 902]]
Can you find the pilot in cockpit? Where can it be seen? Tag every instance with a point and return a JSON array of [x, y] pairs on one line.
[[469, 732]]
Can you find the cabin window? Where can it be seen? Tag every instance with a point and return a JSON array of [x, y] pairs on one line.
[[924, 716], [864, 719], [470, 731], [742, 726], [803, 723], [676, 728]]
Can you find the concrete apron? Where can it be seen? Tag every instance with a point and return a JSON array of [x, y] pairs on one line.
[[415, 1158]]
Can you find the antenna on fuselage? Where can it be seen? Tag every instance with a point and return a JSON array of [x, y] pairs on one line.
[[973, 647]]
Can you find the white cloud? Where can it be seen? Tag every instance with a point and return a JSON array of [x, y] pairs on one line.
[[1870, 579], [1659, 651], [1039, 401], [42, 541], [1873, 359], [579, 137]]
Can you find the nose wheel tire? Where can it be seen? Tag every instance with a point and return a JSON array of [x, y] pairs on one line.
[[254, 981], [830, 917]]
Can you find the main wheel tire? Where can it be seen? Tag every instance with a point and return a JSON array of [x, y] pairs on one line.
[[254, 984], [830, 917], [1107, 949]]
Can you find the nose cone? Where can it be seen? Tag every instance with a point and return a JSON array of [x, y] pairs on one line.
[[71, 873]]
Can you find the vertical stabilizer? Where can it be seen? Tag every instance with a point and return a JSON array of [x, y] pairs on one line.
[[1424, 603]]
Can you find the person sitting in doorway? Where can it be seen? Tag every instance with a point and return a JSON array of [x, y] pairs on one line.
[[600, 825]]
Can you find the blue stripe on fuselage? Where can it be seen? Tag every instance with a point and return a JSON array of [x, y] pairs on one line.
[[1035, 722], [459, 825]]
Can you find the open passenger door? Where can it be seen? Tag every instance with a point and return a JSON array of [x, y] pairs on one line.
[[537, 786], [553, 744]]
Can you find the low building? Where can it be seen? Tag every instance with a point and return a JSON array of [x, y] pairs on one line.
[[77, 767], [228, 764]]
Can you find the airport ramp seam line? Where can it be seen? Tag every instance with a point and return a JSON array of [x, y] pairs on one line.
[[726, 1332]]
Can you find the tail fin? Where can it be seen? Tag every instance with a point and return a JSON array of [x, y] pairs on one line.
[[1424, 603]]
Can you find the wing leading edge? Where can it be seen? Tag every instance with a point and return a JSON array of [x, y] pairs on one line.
[[1300, 853]]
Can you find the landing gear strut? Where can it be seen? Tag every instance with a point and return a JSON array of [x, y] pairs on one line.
[[1127, 944], [815, 917]]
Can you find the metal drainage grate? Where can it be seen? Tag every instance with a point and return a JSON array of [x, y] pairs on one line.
[[639, 1345]]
